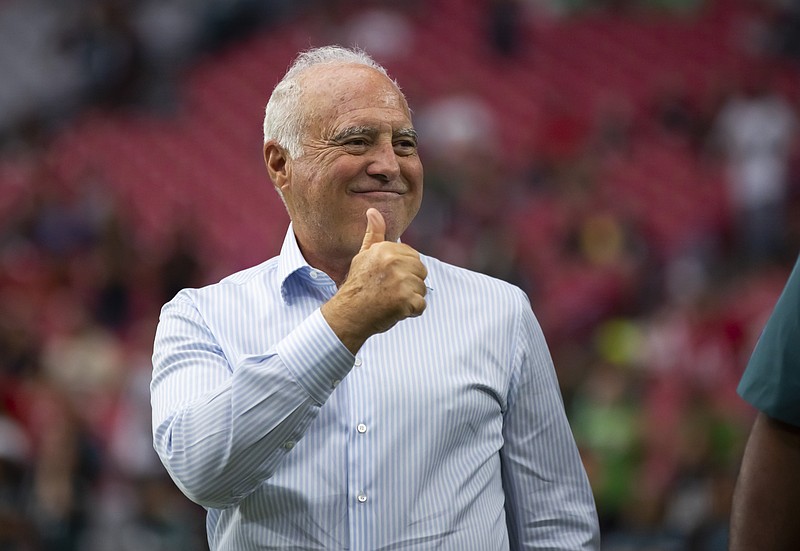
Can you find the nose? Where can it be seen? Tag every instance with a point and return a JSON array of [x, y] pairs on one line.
[[383, 162]]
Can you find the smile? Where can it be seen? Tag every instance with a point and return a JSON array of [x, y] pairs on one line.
[[378, 193]]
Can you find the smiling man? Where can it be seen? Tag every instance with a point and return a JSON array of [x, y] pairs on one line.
[[352, 393]]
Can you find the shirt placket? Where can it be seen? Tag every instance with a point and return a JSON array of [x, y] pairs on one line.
[[363, 499]]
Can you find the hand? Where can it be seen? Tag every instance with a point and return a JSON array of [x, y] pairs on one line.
[[385, 284]]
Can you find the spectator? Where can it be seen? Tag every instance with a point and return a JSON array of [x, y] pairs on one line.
[[757, 130]]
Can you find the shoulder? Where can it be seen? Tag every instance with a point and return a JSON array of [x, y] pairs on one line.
[[244, 283], [467, 285], [771, 381], [254, 274]]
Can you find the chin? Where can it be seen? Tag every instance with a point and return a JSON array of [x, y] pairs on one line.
[[392, 231]]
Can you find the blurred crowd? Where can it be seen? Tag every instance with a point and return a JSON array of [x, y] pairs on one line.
[[648, 345]]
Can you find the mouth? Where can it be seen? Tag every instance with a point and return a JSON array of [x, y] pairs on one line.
[[378, 193]]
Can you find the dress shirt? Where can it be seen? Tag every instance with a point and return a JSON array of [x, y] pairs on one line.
[[445, 432]]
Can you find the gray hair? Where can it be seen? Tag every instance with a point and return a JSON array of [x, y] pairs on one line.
[[283, 118]]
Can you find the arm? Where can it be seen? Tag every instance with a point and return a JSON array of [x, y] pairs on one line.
[[767, 497], [221, 430], [549, 504], [385, 284]]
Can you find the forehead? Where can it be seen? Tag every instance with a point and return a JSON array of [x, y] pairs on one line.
[[334, 93]]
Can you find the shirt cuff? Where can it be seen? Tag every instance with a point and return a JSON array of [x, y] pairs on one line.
[[315, 356]]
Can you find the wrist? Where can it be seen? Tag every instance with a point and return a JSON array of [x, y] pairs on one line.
[[344, 326]]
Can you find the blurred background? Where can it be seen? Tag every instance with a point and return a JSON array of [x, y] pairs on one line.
[[631, 164]]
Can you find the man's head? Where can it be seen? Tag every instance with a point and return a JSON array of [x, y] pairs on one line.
[[284, 118], [338, 139]]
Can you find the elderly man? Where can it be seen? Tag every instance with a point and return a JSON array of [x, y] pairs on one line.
[[352, 393]]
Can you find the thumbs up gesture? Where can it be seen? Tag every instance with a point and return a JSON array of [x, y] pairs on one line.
[[376, 229], [385, 284]]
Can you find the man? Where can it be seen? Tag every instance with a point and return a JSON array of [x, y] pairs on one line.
[[352, 393], [767, 497]]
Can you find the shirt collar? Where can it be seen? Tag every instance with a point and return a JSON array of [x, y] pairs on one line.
[[292, 262]]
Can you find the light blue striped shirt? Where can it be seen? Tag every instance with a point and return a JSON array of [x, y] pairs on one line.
[[446, 432]]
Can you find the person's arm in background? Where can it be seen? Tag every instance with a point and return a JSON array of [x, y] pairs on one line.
[[549, 503], [766, 503]]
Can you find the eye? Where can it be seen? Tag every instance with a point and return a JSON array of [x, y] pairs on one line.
[[356, 144], [405, 147]]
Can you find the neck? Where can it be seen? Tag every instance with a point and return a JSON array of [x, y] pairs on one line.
[[327, 252], [335, 268]]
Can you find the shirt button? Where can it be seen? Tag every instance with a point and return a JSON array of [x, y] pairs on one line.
[[314, 274], [362, 428], [358, 362], [289, 444], [335, 383], [362, 497]]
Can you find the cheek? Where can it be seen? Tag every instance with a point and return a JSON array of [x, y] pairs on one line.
[[414, 176], [308, 186], [412, 170], [319, 201]]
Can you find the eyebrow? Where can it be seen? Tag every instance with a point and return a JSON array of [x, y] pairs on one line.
[[406, 133], [354, 131], [372, 131]]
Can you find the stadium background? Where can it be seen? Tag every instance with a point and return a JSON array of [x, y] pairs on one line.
[[575, 147]]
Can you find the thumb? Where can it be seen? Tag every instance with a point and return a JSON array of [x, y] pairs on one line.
[[376, 229]]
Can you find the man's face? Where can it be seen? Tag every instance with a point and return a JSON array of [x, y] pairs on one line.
[[359, 151]]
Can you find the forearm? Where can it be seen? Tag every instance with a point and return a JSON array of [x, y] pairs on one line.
[[222, 445], [550, 505], [222, 430], [767, 496]]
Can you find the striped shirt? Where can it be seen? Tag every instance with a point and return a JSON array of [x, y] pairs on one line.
[[445, 432]]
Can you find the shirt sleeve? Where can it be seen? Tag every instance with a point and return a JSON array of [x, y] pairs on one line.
[[221, 430], [771, 382], [549, 503]]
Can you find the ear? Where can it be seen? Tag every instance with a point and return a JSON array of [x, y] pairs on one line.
[[277, 161]]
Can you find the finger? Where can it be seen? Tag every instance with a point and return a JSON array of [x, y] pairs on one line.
[[413, 265], [376, 229], [422, 271], [417, 306]]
